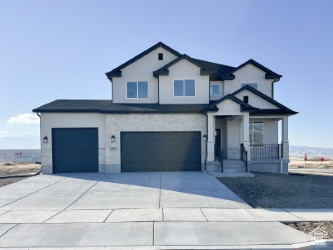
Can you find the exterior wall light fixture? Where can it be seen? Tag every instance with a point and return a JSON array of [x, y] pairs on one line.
[[113, 138], [204, 137], [45, 139]]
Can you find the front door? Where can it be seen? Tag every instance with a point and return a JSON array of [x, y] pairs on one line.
[[217, 142]]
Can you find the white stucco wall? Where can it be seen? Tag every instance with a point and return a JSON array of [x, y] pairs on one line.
[[141, 70], [70, 120], [228, 107], [179, 71], [148, 122], [256, 101], [249, 74]]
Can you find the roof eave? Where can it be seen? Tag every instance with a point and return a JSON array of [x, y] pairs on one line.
[[273, 76]]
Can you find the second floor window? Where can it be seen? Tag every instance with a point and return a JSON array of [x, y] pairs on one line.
[[184, 87], [137, 90], [215, 89], [252, 84]]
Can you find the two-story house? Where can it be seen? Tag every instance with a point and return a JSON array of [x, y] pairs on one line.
[[171, 112]]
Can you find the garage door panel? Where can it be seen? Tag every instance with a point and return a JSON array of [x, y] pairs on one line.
[[75, 150], [160, 151]]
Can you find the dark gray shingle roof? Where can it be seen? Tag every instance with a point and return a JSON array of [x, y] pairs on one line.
[[106, 106]]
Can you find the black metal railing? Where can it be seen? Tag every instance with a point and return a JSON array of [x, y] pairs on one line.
[[244, 155], [266, 151], [220, 159]]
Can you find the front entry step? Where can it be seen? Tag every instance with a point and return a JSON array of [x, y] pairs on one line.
[[231, 168]]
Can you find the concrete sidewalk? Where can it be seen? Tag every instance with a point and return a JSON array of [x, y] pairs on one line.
[[149, 234]]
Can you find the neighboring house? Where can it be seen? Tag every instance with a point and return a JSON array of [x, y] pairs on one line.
[[171, 112]]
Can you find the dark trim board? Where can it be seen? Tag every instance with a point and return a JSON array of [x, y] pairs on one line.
[[160, 151], [74, 150]]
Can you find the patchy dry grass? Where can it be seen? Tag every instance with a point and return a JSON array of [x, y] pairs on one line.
[[310, 163], [16, 169]]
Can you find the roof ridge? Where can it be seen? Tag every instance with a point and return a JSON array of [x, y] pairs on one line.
[[220, 64]]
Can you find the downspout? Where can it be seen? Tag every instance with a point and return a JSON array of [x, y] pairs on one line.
[[281, 165], [111, 90], [158, 90], [274, 81]]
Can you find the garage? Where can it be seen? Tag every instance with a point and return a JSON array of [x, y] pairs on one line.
[[75, 150], [160, 151]]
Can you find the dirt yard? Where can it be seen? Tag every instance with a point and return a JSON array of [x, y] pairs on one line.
[[324, 227], [311, 163], [267, 190], [16, 169]]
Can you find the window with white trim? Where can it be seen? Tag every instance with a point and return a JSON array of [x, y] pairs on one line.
[[256, 133], [251, 84], [215, 89], [137, 90], [184, 87]]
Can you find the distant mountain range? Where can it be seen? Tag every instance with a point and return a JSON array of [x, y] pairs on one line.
[[21, 142], [299, 151], [32, 142]]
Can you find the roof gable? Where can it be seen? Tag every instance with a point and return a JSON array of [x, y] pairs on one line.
[[165, 69], [117, 71], [265, 97], [269, 73], [244, 107]]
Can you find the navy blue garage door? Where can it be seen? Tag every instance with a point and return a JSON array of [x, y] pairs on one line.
[[160, 151], [75, 150]]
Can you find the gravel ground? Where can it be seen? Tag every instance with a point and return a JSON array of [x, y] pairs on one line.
[[267, 190], [13, 169], [314, 228]]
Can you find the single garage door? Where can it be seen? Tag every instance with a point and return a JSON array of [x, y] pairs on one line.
[[75, 150], [160, 151]]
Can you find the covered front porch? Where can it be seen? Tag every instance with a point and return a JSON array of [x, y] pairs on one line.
[[241, 142]]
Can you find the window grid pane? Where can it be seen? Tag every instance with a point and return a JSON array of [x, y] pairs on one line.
[[142, 89], [214, 89], [132, 90], [189, 88], [178, 88], [253, 85]]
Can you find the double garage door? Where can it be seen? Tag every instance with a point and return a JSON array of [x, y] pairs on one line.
[[160, 151], [76, 150]]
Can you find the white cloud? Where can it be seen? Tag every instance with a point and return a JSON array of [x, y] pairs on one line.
[[2, 132], [24, 118]]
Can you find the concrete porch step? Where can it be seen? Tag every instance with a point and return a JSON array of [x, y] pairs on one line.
[[233, 163], [233, 169]]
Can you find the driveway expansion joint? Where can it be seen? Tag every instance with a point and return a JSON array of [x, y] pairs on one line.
[[32, 192], [73, 201]]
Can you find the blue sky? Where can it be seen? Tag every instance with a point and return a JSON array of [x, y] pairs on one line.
[[61, 49]]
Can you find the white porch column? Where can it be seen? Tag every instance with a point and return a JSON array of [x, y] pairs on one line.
[[285, 140], [210, 138], [246, 135]]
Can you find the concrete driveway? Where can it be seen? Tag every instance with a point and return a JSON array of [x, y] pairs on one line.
[[132, 209]]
